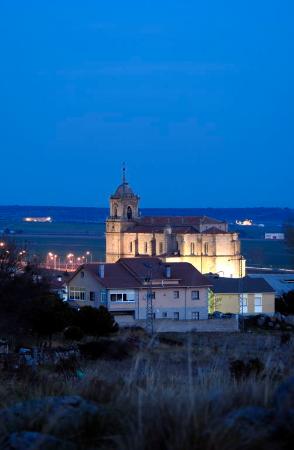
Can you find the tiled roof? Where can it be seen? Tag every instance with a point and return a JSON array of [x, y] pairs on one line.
[[185, 229], [130, 273], [248, 285], [178, 220]]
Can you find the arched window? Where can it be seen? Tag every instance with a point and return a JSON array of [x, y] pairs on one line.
[[192, 248], [115, 211], [129, 213]]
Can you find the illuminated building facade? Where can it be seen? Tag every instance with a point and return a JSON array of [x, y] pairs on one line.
[[202, 241]]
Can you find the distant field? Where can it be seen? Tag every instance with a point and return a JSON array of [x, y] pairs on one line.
[[79, 237]]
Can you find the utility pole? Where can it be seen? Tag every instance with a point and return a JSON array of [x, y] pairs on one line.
[[149, 300]]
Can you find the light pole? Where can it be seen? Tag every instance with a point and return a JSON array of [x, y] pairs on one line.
[[240, 286], [91, 257], [149, 302]]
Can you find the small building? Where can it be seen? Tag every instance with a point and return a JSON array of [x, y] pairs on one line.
[[281, 280], [179, 291], [274, 236], [241, 296]]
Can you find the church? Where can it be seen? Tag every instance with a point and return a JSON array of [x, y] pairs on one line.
[[204, 242]]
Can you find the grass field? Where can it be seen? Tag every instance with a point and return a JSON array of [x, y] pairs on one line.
[[174, 394]]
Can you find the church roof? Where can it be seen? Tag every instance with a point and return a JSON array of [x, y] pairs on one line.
[[124, 189], [179, 220]]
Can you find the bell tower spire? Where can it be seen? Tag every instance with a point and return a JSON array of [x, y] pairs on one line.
[[124, 172]]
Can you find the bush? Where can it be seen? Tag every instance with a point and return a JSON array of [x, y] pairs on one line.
[[96, 322], [105, 348], [73, 333]]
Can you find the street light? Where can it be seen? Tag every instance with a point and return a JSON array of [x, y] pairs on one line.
[[89, 254]]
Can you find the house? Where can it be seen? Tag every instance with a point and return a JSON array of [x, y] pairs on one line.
[[241, 296], [203, 241], [179, 291]]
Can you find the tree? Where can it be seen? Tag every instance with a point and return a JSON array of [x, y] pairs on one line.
[[96, 322], [213, 302], [285, 304]]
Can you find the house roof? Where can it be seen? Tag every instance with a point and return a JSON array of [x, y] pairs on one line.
[[132, 273], [222, 285]]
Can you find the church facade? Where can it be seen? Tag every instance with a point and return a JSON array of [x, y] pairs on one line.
[[204, 242]]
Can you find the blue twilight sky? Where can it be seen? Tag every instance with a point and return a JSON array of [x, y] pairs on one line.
[[196, 96]]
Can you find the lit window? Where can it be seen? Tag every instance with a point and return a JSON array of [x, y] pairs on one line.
[[77, 293], [176, 294], [258, 303], [195, 295]]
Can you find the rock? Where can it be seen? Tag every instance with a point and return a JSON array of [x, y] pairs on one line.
[[31, 440], [249, 416], [59, 416]]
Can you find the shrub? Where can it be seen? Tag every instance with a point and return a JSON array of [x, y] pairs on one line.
[[73, 333], [96, 322], [105, 348]]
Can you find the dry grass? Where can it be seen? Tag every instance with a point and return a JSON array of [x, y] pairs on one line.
[[168, 396]]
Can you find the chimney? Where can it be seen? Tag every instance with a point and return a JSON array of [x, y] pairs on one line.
[[101, 270], [168, 271]]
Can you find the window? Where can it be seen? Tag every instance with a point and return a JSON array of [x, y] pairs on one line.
[[176, 315], [206, 248], [146, 247], [160, 248], [195, 295], [258, 303], [129, 213], [131, 247], [153, 295], [119, 298], [192, 248], [103, 296], [195, 315], [92, 296], [77, 293], [176, 294], [82, 274], [243, 303], [164, 315]]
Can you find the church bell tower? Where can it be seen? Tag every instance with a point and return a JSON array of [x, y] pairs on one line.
[[124, 211]]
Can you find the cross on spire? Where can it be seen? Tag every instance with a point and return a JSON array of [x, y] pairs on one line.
[[124, 172]]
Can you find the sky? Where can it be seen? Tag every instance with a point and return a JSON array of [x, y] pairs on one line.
[[197, 97]]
